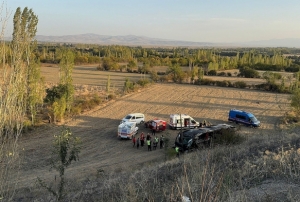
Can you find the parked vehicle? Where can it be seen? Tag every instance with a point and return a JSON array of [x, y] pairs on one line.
[[156, 124], [182, 120], [134, 117], [127, 130], [243, 117], [194, 138]]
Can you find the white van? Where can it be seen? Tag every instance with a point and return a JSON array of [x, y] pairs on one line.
[[134, 117], [186, 121], [127, 130]]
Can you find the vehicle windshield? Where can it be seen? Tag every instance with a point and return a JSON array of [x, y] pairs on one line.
[[186, 140], [128, 117], [253, 119]]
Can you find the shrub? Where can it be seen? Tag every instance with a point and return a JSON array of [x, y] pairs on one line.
[[100, 68], [240, 84], [221, 74], [27, 126], [164, 78], [207, 82], [223, 83], [161, 73], [229, 137], [291, 117], [85, 103], [143, 82], [271, 87], [249, 73], [76, 110], [212, 73], [111, 96], [292, 69], [54, 93], [277, 75]]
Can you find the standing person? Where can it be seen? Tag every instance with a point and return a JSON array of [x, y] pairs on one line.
[[153, 131], [133, 141], [155, 143], [149, 144], [138, 143], [161, 143], [148, 137], [142, 137]]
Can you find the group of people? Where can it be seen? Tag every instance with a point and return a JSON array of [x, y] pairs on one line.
[[204, 124], [150, 141]]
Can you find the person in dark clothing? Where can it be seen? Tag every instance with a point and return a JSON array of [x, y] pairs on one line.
[[161, 141], [142, 138], [133, 141], [148, 137], [138, 143], [153, 131]]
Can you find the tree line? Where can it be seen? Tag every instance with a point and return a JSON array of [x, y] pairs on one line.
[[271, 59]]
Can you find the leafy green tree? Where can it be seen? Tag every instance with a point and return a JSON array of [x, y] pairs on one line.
[[144, 69], [128, 86], [66, 149], [59, 108], [36, 90], [66, 68], [200, 74], [107, 63], [15, 61], [131, 65], [55, 93], [271, 77], [176, 73], [154, 76]]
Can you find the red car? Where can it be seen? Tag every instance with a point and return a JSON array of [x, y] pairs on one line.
[[157, 124]]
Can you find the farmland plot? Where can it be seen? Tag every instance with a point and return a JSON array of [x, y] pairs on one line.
[[102, 150]]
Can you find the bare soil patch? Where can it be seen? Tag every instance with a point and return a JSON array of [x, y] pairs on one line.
[[102, 150]]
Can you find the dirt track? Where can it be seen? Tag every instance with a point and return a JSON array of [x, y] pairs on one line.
[[101, 149]]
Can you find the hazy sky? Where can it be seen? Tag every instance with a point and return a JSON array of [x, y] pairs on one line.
[[188, 20]]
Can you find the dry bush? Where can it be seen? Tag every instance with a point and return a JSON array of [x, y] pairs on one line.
[[291, 117], [223, 173]]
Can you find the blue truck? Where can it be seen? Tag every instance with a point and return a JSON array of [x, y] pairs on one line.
[[243, 117]]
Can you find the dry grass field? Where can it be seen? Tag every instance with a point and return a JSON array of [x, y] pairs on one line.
[[102, 150]]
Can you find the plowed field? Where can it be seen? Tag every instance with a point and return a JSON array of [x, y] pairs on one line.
[[102, 150]]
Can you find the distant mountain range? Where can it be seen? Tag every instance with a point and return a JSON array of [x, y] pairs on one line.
[[132, 40]]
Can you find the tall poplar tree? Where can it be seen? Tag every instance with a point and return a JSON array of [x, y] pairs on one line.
[[14, 95], [66, 66]]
